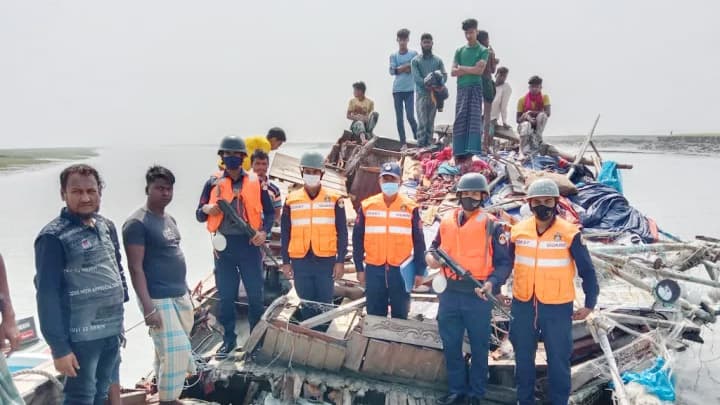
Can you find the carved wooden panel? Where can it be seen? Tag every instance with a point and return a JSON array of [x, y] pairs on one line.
[[402, 331]]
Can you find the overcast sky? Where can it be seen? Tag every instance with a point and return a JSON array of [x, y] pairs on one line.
[[95, 73]]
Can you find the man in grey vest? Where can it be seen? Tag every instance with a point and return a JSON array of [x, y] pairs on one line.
[[81, 288]]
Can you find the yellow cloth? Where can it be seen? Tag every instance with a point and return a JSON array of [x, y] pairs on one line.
[[252, 143], [521, 103], [364, 107]]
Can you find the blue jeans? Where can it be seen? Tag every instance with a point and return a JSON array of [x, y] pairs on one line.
[[383, 288], [314, 282], [240, 259], [98, 360], [405, 97], [554, 324], [460, 311]]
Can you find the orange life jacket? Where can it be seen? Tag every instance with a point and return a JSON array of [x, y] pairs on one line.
[[313, 223], [249, 198], [388, 230], [543, 264], [470, 245]]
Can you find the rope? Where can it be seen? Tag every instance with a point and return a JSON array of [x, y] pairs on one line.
[[42, 373]]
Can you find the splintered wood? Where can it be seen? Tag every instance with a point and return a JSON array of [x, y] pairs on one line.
[[300, 349]]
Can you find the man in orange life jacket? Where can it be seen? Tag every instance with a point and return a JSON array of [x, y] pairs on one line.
[[547, 249], [387, 232], [314, 237], [236, 254], [479, 245]]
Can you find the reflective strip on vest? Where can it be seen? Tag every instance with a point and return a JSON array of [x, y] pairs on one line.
[[323, 205], [553, 245], [528, 261], [375, 214], [300, 222], [375, 229], [526, 243], [553, 262], [403, 215], [325, 221], [400, 230], [300, 207]]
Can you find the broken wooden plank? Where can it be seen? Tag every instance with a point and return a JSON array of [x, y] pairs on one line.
[[305, 331], [301, 348], [402, 362], [257, 333], [290, 306], [316, 356], [284, 345], [333, 313], [342, 325], [424, 334], [355, 351], [268, 347], [376, 357], [287, 168], [334, 357], [428, 362]]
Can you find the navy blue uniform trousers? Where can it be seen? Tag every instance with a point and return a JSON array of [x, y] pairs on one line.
[[554, 324], [314, 282], [460, 311], [239, 259], [383, 287]]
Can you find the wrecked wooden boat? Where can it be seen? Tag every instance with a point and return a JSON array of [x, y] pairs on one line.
[[657, 292]]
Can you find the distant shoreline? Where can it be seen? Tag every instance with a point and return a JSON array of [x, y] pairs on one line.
[[17, 159]]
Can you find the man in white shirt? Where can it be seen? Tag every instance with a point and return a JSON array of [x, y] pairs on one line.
[[502, 98]]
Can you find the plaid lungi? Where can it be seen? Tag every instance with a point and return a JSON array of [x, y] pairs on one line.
[[173, 353], [468, 126]]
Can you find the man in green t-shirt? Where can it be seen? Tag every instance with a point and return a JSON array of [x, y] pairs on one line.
[[468, 66]]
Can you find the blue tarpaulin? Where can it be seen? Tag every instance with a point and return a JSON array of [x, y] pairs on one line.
[[607, 210], [610, 176], [656, 379]]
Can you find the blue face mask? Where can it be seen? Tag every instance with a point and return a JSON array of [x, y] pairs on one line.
[[232, 162], [389, 189]]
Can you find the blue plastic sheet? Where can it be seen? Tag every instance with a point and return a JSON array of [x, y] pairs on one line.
[[610, 176], [607, 210], [656, 379]]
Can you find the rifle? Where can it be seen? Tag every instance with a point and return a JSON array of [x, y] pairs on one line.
[[445, 260], [235, 221]]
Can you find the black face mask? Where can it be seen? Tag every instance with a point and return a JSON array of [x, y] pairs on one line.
[[469, 203], [543, 212]]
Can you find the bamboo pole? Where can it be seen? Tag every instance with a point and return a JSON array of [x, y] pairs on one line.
[[655, 247], [583, 148], [660, 272]]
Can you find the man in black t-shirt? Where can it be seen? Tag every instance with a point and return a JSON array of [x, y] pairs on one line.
[[157, 267]]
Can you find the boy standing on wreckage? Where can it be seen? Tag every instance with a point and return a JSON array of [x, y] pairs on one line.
[[474, 241]]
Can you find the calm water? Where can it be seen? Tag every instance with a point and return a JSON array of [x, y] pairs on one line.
[[677, 190]]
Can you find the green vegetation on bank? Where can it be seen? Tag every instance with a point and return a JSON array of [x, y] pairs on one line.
[[14, 159]]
